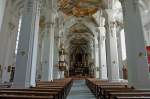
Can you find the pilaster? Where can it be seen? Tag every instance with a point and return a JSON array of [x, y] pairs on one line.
[[138, 69], [112, 52], [26, 57], [102, 53]]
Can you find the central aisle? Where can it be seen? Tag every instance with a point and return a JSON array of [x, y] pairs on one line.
[[79, 90]]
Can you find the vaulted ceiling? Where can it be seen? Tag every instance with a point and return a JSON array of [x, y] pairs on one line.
[[79, 34]]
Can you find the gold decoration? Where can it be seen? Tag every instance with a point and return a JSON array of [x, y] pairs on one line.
[[79, 7], [42, 23]]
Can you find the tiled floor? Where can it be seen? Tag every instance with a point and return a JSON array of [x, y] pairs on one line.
[[79, 90]]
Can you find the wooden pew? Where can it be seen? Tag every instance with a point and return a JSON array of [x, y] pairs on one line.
[[45, 90], [35, 90], [62, 91], [30, 93], [24, 97], [141, 97], [113, 90], [103, 90], [65, 85], [113, 95], [6, 85], [96, 86], [108, 90]]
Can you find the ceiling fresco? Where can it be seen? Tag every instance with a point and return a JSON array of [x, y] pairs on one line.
[[79, 7]]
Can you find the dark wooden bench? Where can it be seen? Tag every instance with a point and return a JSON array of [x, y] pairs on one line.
[[45, 90], [30, 93], [113, 95], [5, 85], [116, 90], [55, 92], [24, 97], [134, 97]]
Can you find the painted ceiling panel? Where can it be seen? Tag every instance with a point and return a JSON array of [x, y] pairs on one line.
[[79, 7]]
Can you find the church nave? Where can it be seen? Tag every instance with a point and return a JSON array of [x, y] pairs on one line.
[[86, 49]]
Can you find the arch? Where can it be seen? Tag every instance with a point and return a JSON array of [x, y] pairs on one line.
[[73, 20]]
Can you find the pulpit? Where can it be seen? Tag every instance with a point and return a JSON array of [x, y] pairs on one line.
[[62, 63]]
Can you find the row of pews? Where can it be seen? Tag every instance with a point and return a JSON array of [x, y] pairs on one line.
[[58, 89], [5, 85], [115, 90]]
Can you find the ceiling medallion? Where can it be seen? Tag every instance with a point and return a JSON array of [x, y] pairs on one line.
[[79, 7]]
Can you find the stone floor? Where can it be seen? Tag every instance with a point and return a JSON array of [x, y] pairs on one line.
[[79, 90]]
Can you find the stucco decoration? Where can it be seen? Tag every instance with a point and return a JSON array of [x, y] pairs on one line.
[[79, 7]]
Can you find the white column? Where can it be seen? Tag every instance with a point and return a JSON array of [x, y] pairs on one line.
[[40, 53], [51, 50], [120, 59], [26, 56], [35, 44], [92, 51], [112, 52], [45, 55], [102, 54], [93, 67], [9, 58], [4, 33], [96, 52], [2, 10], [56, 59], [138, 70]]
